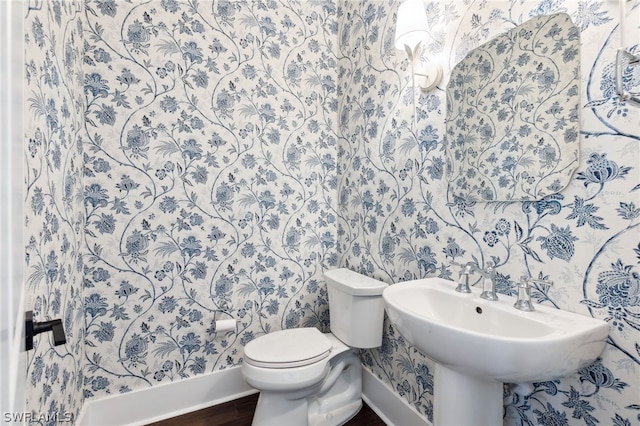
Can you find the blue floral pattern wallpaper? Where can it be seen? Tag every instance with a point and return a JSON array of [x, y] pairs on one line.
[[512, 113], [399, 221], [198, 161], [54, 222], [209, 180]]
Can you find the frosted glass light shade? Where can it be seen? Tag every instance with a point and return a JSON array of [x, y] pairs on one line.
[[412, 24]]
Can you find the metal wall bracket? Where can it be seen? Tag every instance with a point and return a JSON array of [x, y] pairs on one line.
[[622, 56]]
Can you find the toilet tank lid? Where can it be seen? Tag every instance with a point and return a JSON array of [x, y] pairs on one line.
[[354, 283]]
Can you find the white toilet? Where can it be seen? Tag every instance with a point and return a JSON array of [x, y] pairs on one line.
[[306, 377]]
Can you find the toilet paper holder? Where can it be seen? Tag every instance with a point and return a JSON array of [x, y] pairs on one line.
[[224, 325], [32, 328]]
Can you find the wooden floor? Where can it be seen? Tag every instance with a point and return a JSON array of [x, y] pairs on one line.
[[240, 413]]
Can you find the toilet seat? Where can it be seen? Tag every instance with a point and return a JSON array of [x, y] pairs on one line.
[[290, 348]]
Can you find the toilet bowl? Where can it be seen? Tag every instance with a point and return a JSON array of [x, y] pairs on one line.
[[306, 377]]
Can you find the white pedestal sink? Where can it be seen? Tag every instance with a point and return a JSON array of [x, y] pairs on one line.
[[478, 345]]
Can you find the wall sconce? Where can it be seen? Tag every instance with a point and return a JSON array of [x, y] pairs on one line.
[[625, 59], [411, 31]]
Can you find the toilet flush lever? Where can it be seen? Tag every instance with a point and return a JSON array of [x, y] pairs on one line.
[[31, 328]]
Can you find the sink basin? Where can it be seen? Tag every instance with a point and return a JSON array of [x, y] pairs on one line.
[[506, 344], [479, 344]]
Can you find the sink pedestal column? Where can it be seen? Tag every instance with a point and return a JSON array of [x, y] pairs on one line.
[[462, 400]]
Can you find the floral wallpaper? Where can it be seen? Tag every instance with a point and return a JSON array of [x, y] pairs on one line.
[[54, 222], [210, 174], [198, 161], [512, 113], [398, 220]]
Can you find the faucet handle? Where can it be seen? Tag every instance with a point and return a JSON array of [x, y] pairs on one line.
[[524, 292], [524, 295], [463, 279], [529, 281], [490, 268], [489, 282], [466, 268]]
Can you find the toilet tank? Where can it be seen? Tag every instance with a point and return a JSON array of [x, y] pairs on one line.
[[356, 308]]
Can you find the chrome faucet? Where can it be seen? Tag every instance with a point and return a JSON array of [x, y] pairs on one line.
[[489, 282], [524, 293], [489, 279], [463, 279]]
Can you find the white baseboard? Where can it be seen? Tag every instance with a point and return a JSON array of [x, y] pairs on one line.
[[161, 402], [388, 405]]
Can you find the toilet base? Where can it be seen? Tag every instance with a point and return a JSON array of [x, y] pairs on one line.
[[269, 413], [332, 402], [336, 417], [275, 410]]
